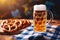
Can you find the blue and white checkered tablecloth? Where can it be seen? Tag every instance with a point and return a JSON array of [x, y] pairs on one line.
[[52, 33]]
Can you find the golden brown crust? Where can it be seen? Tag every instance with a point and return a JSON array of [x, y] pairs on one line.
[[14, 25]]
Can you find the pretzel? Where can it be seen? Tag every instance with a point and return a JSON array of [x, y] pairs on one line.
[[8, 28], [28, 22], [4, 22], [25, 23], [13, 28], [14, 25], [19, 24]]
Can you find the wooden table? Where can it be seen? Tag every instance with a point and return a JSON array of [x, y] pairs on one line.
[[8, 37]]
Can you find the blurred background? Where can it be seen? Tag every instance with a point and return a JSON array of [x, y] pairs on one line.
[[24, 8]]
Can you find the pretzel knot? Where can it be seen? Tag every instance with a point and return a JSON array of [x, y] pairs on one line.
[[14, 25], [8, 28], [18, 23], [4, 22]]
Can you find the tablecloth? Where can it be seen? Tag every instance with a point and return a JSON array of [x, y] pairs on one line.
[[52, 33]]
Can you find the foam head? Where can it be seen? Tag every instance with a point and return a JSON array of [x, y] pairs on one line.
[[40, 7]]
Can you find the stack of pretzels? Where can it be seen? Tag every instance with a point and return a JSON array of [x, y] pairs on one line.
[[14, 25]]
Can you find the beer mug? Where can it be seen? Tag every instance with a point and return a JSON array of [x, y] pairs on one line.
[[40, 18]]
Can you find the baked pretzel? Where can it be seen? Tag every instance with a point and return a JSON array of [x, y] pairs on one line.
[[15, 25], [8, 28], [13, 28], [29, 23], [19, 24], [25, 23], [4, 22]]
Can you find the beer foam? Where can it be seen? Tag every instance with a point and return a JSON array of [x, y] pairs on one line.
[[40, 7]]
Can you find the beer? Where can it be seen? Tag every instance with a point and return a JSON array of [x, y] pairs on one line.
[[40, 18]]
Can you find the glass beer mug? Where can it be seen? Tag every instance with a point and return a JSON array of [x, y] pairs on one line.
[[40, 18]]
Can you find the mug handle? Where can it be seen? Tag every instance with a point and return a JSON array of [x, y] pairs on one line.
[[51, 15]]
